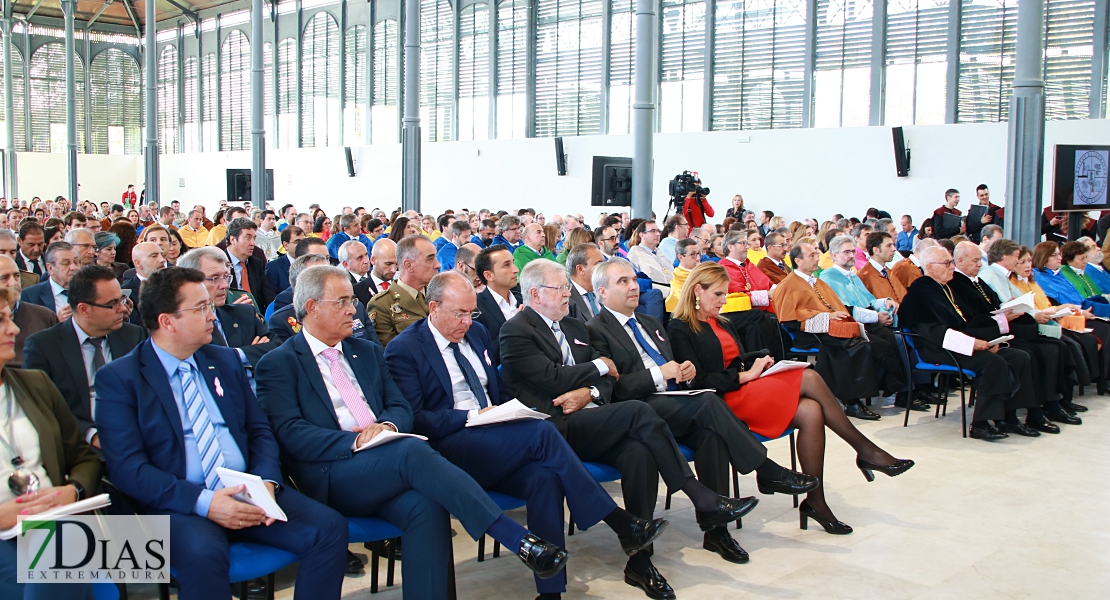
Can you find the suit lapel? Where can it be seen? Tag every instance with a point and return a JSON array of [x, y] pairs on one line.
[[662, 342], [487, 364], [70, 349], [491, 307], [620, 334], [364, 377], [547, 335], [434, 357], [312, 371], [215, 386], [155, 376]]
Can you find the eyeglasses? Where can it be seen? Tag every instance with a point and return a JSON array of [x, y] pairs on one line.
[[342, 302], [217, 279], [647, 231], [111, 305], [470, 267], [607, 239], [203, 309], [945, 263], [473, 315], [778, 245], [562, 289]]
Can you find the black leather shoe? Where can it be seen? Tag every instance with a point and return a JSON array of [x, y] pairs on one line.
[[728, 510], [643, 533], [901, 465], [256, 588], [986, 432], [860, 411], [1043, 425], [545, 558], [1019, 429], [1072, 407], [791, 483], [806, 512], [354, 563], [1063, 417], [720, 541], [926, 398], [915, 404], [651, 581]]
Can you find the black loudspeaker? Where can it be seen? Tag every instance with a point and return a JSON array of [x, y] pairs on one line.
[[350, 161], [239, 184], [901, 154], [560, 157], [612, 181]]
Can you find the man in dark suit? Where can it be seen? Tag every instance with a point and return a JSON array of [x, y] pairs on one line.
[[172, 397], [549, 365], [147, 257], [248, 272], [277, 270], [581, 260], [328, 395], [641, 349], [500, 301], [284, 324], [356, 261], [312, 245], [30, 318], [31, 241], [9, 246], [73, 351], [61, 263], [237, 325]]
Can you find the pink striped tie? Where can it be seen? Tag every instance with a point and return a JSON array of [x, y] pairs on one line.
[[359, 410]]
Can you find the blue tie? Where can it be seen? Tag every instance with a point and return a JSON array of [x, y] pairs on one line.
[[651, 352], [564, 347], [593, 303], [204, 432], [470, 376]]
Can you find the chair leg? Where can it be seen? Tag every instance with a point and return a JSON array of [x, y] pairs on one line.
[[374, 556], [736, 494], [452, 594], [963, 407], [482, 548], [164, 591], [243, 590], [667, 504], [122, 587], [391, 561], [793, 463], [909, 401], [496, 549], [270, 579], [570, 527]]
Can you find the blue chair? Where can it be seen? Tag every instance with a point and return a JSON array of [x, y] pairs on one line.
[[601, 474], [269, 311], [504, 502], [367, 531], [795, 352], [793, 465], [944, 372], [248, 561]]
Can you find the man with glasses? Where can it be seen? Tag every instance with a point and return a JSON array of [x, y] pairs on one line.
[[394, 309], [30, 318], [72, 351], [774, 264], [675, 229], [607, 241], [581, 260], [508, 233], [61, 263], [464, 264], [647, 259], [83, 242], [743, 276]]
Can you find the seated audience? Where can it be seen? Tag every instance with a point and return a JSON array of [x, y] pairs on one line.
[[148, 258], [646, 259], [774, 264], [743, 276], [500, 300], [106, 244], [580, 266], [277, 270], [689, 256], [908, 271], [355, 259], [247, 270], [508, 233], [284, 324], [876, 277], [393, 310], [308, 245], [534, 246]]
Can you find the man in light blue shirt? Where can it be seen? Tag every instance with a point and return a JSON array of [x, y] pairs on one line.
[[904, 242], [674, 229]]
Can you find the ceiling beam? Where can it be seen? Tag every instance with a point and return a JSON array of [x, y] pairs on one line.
[[33, 10], [96, 16], [134, 19], [188, 12]]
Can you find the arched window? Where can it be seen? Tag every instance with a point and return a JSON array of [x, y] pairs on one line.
[[569, 62], [384, 120], [320, 83], [436, 71], [167, 100], [17, 99], [116, 100], [48, 98], [682, 84], [355, 86], [235, 88], [208, 124], [512, 68], [474, 72], [189, 111], [287, 93]]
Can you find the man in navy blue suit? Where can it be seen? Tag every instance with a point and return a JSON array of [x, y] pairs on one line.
[[443, 364], [277, 270], [283, 323], [176, 408], [61, 263], [328, 395]]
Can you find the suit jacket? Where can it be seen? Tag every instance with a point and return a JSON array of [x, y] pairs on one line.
[[22, 264], [141, 431], [975, 304], [418, 368], [928, 311], [579, 308], [533, 363], [277, 272], [293, 394], [492, 319], [57, 352], [285, 298], [772, 270], [31, 319], [27, 279], [284, 325], [611, 339], [362, 288], [241, 325], [41, 294], [703, 349], [905, 272], [882, 287], [394, 310], [133, 284], [261, 289]]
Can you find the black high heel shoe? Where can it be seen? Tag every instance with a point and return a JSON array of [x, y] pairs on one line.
[[901, 466], [805, 513]]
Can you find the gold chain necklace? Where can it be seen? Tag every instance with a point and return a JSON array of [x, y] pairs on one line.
[[952, 301]]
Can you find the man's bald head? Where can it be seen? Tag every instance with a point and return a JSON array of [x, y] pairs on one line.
[[937, 264], [965, 250], [923, 245], [147, 258]]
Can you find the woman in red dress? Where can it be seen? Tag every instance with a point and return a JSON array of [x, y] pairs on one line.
[[769, 405]]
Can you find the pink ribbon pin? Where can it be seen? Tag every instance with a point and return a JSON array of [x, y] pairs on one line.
[[219, 388], [580, 343], [485, 353]]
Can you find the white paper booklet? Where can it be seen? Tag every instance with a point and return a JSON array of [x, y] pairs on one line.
[[684, 392], [81, 506], [999, 340], [513, 410], [386, 437], [1022, 304], [256, 493], [1063, 312], [782, 366]]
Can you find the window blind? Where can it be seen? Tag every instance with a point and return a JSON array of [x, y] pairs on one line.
[[287, 93], [354, 85], [988, 34], [512, 67], [189, 111], [437, 26], [622, 65], [320, 82], [235, 85], [208, 115], [384, 120], [116, 100], [568, 67], [167, 100], [842, 66], [916, 62], [683, 67], [1069, 35], [474, 72], [48, 98], [17, 99]]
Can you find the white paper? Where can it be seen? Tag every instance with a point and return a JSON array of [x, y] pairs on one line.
[[1063, 312], [256, 493], [385, 437], [683, 392], [783, 366], [513, 410], [999, 340], [81, 506], [957, 342], [1022, 304]]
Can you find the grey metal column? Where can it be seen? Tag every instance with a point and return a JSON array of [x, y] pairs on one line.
[[878, 59], [810, 64], [150, 58], [11, 189], [1025, 145], [643, 109], [952, 53], [258, 128], [68, 8], [410, 125], [1098, 60], [493, 50]]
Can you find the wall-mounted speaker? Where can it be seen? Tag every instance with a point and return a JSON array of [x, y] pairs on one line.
[[560, 158], [901, 154], [350, 161]]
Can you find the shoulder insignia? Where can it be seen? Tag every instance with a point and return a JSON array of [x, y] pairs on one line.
[[294, 324]]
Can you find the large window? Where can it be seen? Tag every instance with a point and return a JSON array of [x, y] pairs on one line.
[[384, 119], [115, 112], [474, 72], [287, 93], [235, 89], [189, 112], [1069, 30], [17, 99], [320, 82], [682, 84], [355, 86], [512, 62], [988, 34], [568, 67], [167, 100], [48, 98], [268, 95], [622, 65], [210, 106], [916, 62], [842, 69], [437, 25]]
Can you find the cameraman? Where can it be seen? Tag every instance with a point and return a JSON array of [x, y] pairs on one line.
[[696, 208]]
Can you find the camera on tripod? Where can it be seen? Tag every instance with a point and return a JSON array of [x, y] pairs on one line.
[[681, 186]]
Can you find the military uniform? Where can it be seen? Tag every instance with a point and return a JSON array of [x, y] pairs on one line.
[[392, 310]]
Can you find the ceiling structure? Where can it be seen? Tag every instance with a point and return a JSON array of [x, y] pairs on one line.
[[115, 12]]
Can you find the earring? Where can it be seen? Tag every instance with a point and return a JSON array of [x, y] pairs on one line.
[[697, 303]]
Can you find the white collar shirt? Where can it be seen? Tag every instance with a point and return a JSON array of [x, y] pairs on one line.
[[508, 305], [649, 363], [461, 393], [347, 421]]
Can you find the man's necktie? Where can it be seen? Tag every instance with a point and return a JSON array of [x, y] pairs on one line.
[[568, 358], [470, 375], [591, 298], [651, 352], [218, 333], [884, 272], [204, 432], [359, 410], [385, 285], [98, 351], [244, 279], [36, 268]]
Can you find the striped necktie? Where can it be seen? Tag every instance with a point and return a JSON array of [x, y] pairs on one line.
[[204, 432], [568, 358]]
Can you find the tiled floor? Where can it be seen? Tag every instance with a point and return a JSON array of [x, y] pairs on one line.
[[1012, 519]]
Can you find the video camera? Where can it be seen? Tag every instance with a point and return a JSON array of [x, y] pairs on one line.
[[683, 184]]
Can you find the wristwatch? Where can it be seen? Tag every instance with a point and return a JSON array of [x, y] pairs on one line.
[[595, 396], [77, 486]]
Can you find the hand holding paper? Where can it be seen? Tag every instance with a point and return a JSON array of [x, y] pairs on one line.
[[254, 493], [513, 410]]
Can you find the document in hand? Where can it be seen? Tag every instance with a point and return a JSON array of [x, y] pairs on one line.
[[1022, 304], [999, 340], [81, 506], [1063, 312], [385, 437], [513, 410], [684, 392], [255, 494], [783, 366]]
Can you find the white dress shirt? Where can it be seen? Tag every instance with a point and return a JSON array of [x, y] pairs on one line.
[[347, 421], [239, 268], [26, 443], [60, 299], [87, 353], [654, 265], [509, 306], [649, 363], [464, 398], [377, 282], [602, 368]]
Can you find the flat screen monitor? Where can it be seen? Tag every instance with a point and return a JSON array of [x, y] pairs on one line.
[[1079, 177], [239, 184], [612, 181]]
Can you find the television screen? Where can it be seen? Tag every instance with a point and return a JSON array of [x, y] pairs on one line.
[[612, 181], [1079, 178]]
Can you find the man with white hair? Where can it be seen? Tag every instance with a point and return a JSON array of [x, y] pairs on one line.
[[283, 322], [533, 246], [908, 271], [508, 233], [83, 242], [355, 259]]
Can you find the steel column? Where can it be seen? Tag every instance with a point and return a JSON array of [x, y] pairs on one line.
[[1098, 61], [878, 54], [68, 8], [258, 127], [1025, 144], [810, 63], [11, 189], [643, 109], [150, 49], [410, 125], [952, 74]]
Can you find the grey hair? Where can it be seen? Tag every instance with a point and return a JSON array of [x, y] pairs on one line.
[[600, 276], [577, 256], [8, 236], [302, 263], [345, 250], [732, 237], [534, 276], [71, 235], [923, 245], [192, 258], [442, 281], [990, 229], [506, 222], [407, 249], [838, 241], [882, 224], [53, 250], [312, 283], [345, 222]]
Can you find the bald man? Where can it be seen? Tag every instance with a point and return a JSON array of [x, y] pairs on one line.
[[383, 264], [147, 258], [533, 246], [464, 263]]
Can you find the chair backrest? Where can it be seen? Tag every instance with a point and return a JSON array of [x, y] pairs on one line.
[[269, 311]]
